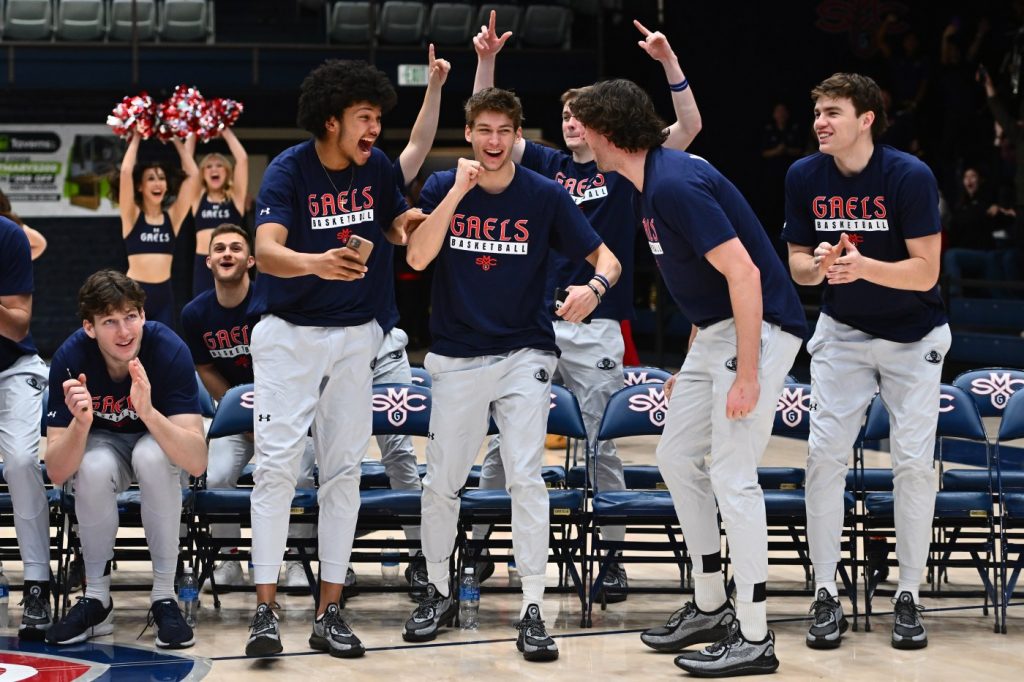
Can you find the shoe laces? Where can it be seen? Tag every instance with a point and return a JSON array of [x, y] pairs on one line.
[[907, 612], [332, 621], [731, 639], [533, 627], [688, 611], [153, 614], [823, 610], [264, 619], [32, 600], [429, 606]]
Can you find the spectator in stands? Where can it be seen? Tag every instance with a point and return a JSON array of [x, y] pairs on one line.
[[969, 237], [36, 241], [22, 382], [902, 131], [781, 144], [221, 198], [149, 226], [909, 68], [1013, 129], [127, 409]]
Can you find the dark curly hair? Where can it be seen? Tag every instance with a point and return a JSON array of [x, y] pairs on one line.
[[106, 291], [173, 175], [337, 84], [621, 111], [862, 91], [497, 100]]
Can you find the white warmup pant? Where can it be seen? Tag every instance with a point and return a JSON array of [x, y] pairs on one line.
[[696, 426], [847, 367], [21, 396], [229, 456], [110, 463], [591, 367], [518, 385], [319, 376]]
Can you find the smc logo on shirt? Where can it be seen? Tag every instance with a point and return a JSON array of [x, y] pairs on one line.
[[840, 214]]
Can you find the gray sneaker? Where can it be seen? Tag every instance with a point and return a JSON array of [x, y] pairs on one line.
[[35, 618], [689, 625], [907, 630], [734, 655], [264, 638], [534, 641], [331, 633], [432, 613], [826, 632]]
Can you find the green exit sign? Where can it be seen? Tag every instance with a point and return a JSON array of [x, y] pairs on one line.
[[412, 75]]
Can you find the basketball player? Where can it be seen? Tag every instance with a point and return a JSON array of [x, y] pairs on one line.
[[129, 409], [590, 363], [490, 229], [22, 382], [314, 346], [864, 218], [721, 269]]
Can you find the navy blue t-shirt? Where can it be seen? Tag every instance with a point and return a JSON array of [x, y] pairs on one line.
[[893, 199], [490, 276], [606, 201], [363, 200], [165, 359], [687, 209], [15, 279], [219, 336]]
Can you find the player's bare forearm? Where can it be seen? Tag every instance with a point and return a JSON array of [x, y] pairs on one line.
[[744, 281], [802, 266], [65, 448], [421, 139], [274, 258], [426, 241], [180, 437], [910, 274], [15, 316], [605, 264], [484, 73], [215, 383]]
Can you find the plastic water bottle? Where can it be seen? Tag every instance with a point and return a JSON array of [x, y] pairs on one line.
[[5, 596], [513, 573], [188, 597], [469, 601], [389, 562]]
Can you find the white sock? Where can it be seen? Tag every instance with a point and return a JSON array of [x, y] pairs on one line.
[[708, 591], [533, 593], [98, 588], [437, 574], [753, 618], [912, 588], [831, 587], [163, 586]]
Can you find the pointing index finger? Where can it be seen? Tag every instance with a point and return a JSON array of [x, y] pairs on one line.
[[430, 54], [494, 17], [643, 29]]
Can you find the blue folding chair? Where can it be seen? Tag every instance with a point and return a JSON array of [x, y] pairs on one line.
[[421, 377], [1010, 496], [633, 375]]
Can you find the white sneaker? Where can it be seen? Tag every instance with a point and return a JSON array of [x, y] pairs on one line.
[[227, 575], [295, 576]]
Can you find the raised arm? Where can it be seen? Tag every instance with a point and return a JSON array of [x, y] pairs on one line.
[[36, 241], [191, 186], [126, 186], [688, 123], [487, 44], [421, 139], [240, 178], [426, 242]]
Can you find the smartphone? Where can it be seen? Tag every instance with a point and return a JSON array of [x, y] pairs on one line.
[[361, 246], [560, 296]]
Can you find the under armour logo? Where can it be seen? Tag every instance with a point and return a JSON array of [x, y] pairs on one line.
[[430, 435], [730, 364], [793, 404], [263, 417], [51, 414], [541, 375], [653, 403], [998, 385], [264, 211], [933, 356], [398, 403], [606, 363], [632, 378]]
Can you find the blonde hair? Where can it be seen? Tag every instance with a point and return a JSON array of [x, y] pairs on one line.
[[228, 181]]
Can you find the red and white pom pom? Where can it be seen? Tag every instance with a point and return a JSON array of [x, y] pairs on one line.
[[133, 114], [178, 116], [217, 114]]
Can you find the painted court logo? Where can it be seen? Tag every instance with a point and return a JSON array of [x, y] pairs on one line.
[[998, 385], [794, 404], [397, 403], [653, 403]]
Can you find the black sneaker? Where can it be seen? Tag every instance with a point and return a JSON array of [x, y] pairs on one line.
[[172, 632], [907, 630], [614, 586], [483, 566], [87, 618], [264, 637], [689, 625], [331, 633], [733, 655], [433, 612], [35, 618], [826, 632], [76, 574], [534, 641], [416, 576]]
